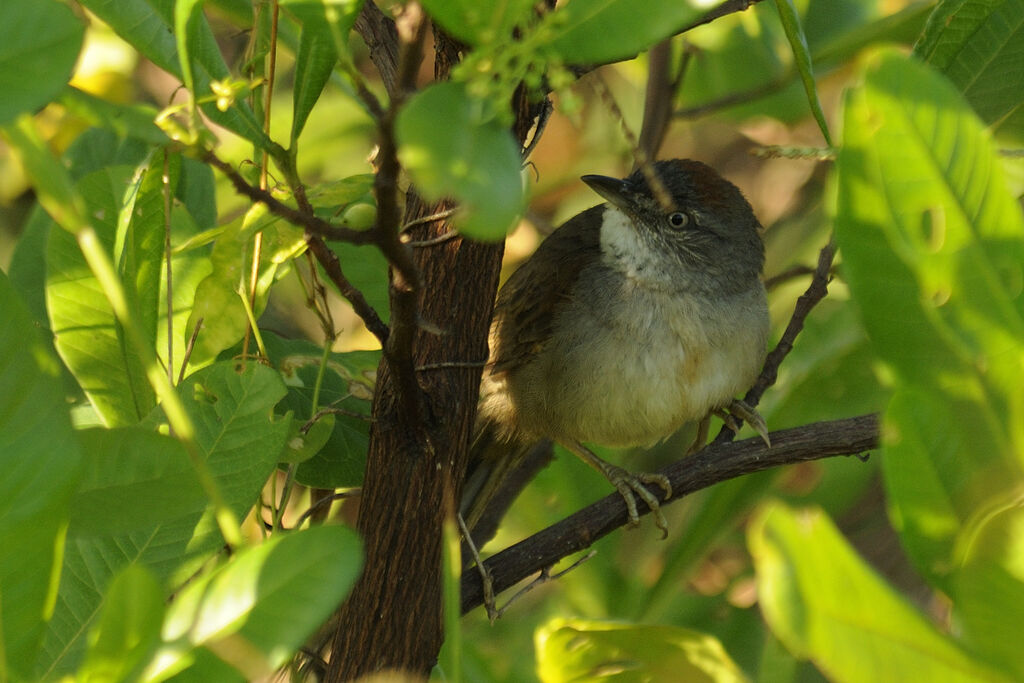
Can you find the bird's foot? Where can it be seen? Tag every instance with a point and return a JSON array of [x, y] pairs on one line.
[[630, 485], [742, 410]]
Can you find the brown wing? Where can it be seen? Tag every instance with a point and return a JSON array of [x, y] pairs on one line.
[[527, 304]]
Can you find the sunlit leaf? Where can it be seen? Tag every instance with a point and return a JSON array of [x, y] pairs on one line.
[[128, 629], [40, 460], [582, 650], [601, 31], [826, 604], [453, 148], [254, 612]]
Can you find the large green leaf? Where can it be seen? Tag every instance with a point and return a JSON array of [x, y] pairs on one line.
[[40, 461], [232, 410], [979, 46], [601, 31], [826, 604], [257, 610], [480, 22], [453, 148], [134, 479], [88, 336], [128, 629], [582, 650], [39, 43], [933, 246]]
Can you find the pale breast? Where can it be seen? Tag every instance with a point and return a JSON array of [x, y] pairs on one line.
[[634, 368]]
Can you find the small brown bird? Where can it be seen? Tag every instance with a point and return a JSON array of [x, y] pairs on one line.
[[631, 319]]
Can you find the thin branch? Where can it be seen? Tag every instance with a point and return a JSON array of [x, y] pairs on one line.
[[658, 97], [309, 222], [727, 7], [544, 577], [332, 266], [381, 37], [785, 276], [733, 99], [714, 464], [405, 276], [816, 291]]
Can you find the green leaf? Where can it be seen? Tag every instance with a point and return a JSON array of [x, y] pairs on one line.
[[134, 480], [301, 445], [453, 148], [88, 336], [602, 31], [802, 56], [142, 233], [979, 46], [148, 26], [128, 121], [217, 299], [232, 411], [744, 53], [824, 603], [39, 44], [40, 461], [324, 38], [480, 22], [28, 264], [128, 629], [258, 609], [347, 384], [933, 246], [584, 650]]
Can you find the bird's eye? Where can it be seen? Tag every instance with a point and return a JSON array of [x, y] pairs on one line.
[[678, 219]]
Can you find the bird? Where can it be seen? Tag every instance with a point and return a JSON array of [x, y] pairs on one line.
[[632, 318]]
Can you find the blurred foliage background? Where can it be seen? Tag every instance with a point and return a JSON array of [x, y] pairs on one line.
[[742, 108]]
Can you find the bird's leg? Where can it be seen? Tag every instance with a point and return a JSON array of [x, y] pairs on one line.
[[702, 435], [628, 484], [746, 413]]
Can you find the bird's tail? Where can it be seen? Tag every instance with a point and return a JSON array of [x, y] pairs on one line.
[[498, 471]]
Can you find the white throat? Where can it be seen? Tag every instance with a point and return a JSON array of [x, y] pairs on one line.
[[624, 250]]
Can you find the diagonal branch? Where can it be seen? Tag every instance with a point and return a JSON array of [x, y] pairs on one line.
[[309, 222], [816, 291], [714, 464]]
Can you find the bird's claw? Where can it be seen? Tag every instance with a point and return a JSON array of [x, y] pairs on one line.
[[743, 411], [630, 485]]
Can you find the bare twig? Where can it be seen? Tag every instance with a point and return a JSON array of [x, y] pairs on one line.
[[309, 222], [542, 578], [727, 7], [816, 291], [658, 97], [716, 463], [381, 37], [332, 266], [351, 493], [785, 276], [733, 99]]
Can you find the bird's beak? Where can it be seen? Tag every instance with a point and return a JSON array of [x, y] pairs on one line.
[[615, 190]]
